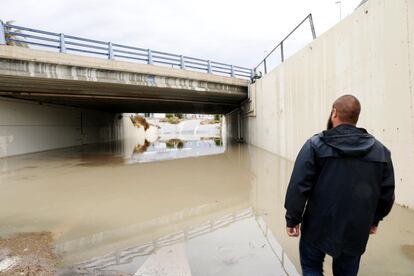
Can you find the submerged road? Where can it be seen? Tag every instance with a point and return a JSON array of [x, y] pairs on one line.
[[219, 214]]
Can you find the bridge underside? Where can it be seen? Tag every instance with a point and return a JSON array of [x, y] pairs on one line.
[[117, 97], [134, 106], [114, 86]]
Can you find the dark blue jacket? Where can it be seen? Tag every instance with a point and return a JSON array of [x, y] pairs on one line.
[[345, 178]]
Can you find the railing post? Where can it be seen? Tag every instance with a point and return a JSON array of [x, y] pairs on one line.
[[251, 73], [150, 61], [209, 70], [110, 51], [265, 66], [232, 71], [2, 34], [282, 54], [312, 26], [182, 62], [62, 46]]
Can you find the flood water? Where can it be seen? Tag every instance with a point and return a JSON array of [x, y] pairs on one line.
[[210, 207]]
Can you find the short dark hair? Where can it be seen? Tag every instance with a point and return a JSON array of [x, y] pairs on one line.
[[348, 109]]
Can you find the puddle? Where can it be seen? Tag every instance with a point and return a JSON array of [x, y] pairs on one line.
[[112, 207]]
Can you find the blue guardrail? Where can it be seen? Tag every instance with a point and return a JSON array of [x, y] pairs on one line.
[[21, 36]]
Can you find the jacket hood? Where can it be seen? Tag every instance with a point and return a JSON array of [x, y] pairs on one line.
[[348, 140]]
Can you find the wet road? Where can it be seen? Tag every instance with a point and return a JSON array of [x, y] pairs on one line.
[[215, 210]]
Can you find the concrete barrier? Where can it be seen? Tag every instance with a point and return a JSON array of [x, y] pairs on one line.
[[29, 126]]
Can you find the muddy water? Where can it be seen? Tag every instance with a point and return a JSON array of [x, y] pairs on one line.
[[111, 206]]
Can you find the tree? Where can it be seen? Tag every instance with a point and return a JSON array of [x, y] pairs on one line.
[[15, 36]]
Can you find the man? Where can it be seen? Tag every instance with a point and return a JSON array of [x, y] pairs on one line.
[[341, 186]]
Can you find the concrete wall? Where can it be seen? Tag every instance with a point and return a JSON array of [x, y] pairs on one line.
[[27, 126], [369, 54]]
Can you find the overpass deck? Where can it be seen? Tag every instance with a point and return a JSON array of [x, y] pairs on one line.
[[111, 85], [70, 70]]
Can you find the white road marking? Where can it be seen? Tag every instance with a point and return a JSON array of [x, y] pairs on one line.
[[167, 261]]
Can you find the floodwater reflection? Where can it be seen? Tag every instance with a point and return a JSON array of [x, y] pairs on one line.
[[223, 211], [228, 238], [174, 147]]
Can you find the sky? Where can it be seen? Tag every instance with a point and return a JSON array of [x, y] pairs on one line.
[[237, 32]]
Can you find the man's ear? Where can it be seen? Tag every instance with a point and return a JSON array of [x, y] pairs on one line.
[[334, 113]]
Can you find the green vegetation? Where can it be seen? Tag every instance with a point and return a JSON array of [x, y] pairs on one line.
[[210, 122], [172, 118], [218, 142], [175, 118], [174, 143]]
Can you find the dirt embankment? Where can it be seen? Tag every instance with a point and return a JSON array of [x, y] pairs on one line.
[[32, 254], [27, 254], [140, 121]]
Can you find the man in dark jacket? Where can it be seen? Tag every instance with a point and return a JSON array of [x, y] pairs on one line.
[[341, 186]]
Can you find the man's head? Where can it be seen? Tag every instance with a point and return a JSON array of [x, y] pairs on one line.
[[345, 110]]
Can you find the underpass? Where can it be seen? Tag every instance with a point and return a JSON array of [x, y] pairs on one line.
[[118, 200], [53, 100]]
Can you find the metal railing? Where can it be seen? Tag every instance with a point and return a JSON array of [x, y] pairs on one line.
[[17, 35], [280, 45]]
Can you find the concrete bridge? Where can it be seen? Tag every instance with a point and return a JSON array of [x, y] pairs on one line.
[[107, 76], [114, 86], [66, 90]]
